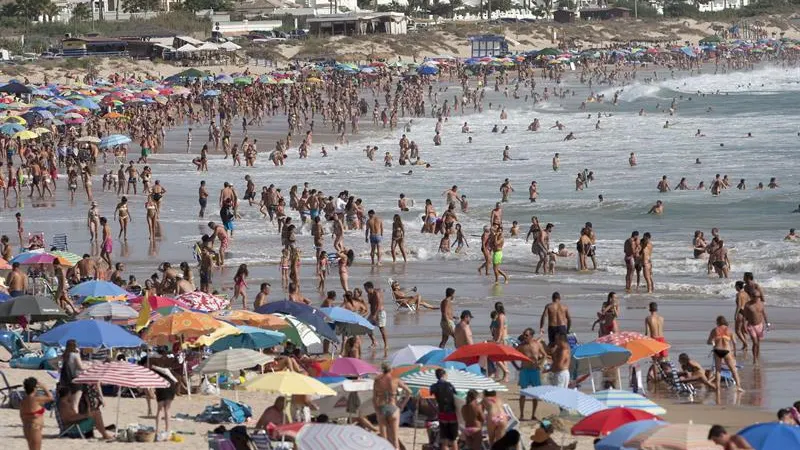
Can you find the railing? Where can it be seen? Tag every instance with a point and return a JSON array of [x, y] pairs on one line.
[[80, 54]]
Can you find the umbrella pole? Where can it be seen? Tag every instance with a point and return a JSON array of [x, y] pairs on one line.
[[416, 414], [186, 377], [119, 401], [591, 375]]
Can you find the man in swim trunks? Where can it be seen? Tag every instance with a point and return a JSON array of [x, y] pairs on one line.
[[529, 372], [756, 323], [445, 394], [377, 315], [374, 235], [654, 327], [631, 250], [447, 323], [17, 281], [560, 354], [558, 319]]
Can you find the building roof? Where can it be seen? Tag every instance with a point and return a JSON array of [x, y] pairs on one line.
[[190, 40], [615, 8], [487, 37], [91, 39], [356, 17]]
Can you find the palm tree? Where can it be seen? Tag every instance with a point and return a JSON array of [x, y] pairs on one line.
[[50, 11], [81, 12]]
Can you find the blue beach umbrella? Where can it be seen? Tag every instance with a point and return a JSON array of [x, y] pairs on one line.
[[427, 70], [624, 433], [434, 357], [97, 288], [211, 93], [306, 314], [88, 104], [596, 355], [91, 334], [568, 399], [10, 129], [224, 79], [114, 140], [250, 337], [347, 322], [771, 436]]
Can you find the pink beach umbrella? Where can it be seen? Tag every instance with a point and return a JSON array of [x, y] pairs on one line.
[[200, 301], [351, 367]]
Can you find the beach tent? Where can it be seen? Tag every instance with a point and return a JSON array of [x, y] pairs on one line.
[[209, 46], [186, 48], [230, 46]]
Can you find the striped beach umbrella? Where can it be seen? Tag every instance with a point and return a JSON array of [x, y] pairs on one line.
[[121, 374], [109, 310], [569, 399], [410, 354], [462, 381], [324, 436], [613, 398], [677, 436], [233, 360], [114, 140], [201, 301]]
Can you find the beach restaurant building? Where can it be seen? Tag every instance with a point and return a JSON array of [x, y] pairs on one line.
[[358, 23], [93, 45]]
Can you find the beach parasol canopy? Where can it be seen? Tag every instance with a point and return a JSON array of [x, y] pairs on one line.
[[97, 288], [249, 338], [109, 310], [353, 398], [639, 345], [435, 357], [325, 436], [201, 301], [121, 374], [613, 398], [42, 257], [11, 128], [114, 140], [771, 436], [462, 381], [471, 354], [299, 333], [91, 334], [615, 440], [34, 308], [288, 383], [92, 139], [25, 135], [351, 367], [157, 303], [410, 354], [347, 322], [604, 422], [549, 51], [250, 318], [305, 313], [568, 399], [189, 325], [596, 355], [15, 88], [233, 360], [677, 436]]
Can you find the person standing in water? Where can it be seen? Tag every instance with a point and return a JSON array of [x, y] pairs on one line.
[[374, 235]]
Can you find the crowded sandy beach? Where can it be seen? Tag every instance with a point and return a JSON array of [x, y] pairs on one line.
[[553, 249]]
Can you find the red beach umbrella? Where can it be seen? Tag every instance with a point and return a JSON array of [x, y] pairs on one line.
[[604, 422], [470, 354]]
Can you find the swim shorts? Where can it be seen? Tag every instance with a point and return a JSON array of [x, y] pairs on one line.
[[380, 321], [553, 331], [560, 378], [529, 377], [448, 327], [497, 257], [375, 239], [665, 353], [228, 225]]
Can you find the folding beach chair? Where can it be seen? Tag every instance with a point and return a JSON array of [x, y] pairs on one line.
[[60, 242], [401, 305], [673, 380], [72, 431], [6, 390]]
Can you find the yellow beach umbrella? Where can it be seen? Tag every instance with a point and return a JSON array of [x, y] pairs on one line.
[[41, 130], [25, 135], [15, 119], [189, 325], [221, 332], [113, 115], [288, 383]]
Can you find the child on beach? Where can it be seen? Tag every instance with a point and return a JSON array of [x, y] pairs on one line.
[[294, 266], [461, 240], [284, 267], [444, 244], [240, 285], [20, 228], [514, 229], [464, 204], [322, 270], [562, 252]]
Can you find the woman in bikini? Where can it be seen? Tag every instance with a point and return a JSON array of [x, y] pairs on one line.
[[86, 177], [152, 217], [343, 263], [398, 237], [108, 243], [499, 329], [724, 350], [607, 316], [700, 244], [31, 412], [284, 267], [124, 217], [497, 419], [384, 399], [240, 285], [472, 413]]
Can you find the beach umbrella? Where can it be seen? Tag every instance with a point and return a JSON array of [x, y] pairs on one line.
[[569, 399], [224, 79], [43, 257], [347, 322], [114, 140], [249, 338], [324, 436], [121, 374], [15, 88], [771, 436], [158, 303], [11, 128], [471, 354], [605, 421], [201, 301], [305, 313], [207, 339], [462, 381], [97, 288], [91, 334], [435, 357], [598, 356], [243, 80], [639, 345], [299, 333], [233, 360], [109, 310], [188, 325], [253, 319], [40, 130], [25, 135], [615, 440], [613, 398], [677, 436], [4, 265], [112, 115], [410, 354], [353, 398], [288, 383], [87, 103], [211, 93], [33, 308], [92, 139], [15, 119], [351, 367]]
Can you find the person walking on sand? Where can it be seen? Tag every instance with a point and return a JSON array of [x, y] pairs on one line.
[[447, 322], [724, 350], [485, 250], [756, 324], [530, 372], [240, 285], [31, 412], [558, 319], [497, 243], [377, 315], [631, 249]]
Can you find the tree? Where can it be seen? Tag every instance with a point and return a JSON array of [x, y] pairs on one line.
[[26, 9], [135, 6], [199, 5], [81, 12], [50, 11]]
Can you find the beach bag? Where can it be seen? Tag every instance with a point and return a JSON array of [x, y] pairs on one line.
[[206, 388], [239, 412]]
